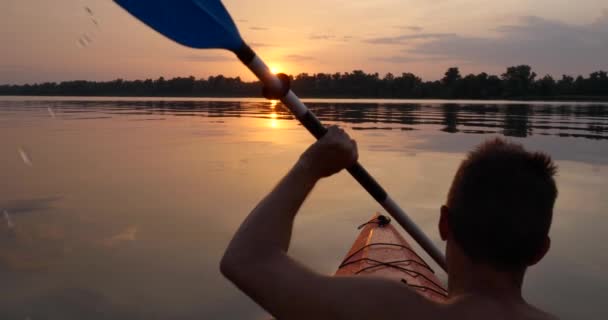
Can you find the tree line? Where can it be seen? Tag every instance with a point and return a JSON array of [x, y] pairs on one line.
[[517, 82]]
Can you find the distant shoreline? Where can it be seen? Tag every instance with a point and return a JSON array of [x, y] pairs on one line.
[[523, 100], [518, 83]]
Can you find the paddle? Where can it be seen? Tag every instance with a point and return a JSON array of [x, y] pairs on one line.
[[206, 24]]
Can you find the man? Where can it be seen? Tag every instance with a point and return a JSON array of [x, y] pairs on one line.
[[496, 223]]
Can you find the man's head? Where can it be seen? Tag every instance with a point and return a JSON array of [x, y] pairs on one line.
[[500, 205]]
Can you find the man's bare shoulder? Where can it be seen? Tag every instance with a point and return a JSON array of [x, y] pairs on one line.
[[536, 313], [496, 309]]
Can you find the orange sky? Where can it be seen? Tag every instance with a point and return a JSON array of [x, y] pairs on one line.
[[58, 40]]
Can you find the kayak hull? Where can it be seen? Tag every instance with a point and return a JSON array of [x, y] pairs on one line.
[[381, 251]]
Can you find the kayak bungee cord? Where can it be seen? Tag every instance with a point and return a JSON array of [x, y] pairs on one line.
[[347, 261], [423, 288], [380, 251]]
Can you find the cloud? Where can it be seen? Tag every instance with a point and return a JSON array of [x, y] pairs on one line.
[[12, 67], [602, 21], [258, 28], [322, 37], [409, 59], [259, 44], [297, 57], [205, 58], [410, 28], [402, 39], [330, 37], [548, 44]]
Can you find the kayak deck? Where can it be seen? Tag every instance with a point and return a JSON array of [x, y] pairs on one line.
[[380, 250]]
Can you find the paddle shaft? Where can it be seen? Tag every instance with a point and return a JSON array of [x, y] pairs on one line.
[[220, 32], [316, 128]]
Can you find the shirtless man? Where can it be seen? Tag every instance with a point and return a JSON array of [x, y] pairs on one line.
[[495, 222]]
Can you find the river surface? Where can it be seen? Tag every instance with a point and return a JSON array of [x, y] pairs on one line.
[[121, 208]]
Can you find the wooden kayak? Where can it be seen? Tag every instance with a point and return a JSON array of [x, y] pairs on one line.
[[380, 250]]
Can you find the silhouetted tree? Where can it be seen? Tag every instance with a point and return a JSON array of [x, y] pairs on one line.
[[450, 82], [516, 82], [451, 77], [546, 86], [566, 85]]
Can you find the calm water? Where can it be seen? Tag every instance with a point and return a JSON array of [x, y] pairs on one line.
[[121, 208]]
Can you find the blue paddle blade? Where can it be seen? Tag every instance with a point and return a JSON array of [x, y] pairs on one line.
[[201, 24]]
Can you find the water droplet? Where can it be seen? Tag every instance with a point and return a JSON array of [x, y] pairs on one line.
[[84, 40], [9, 221], [25, 157]]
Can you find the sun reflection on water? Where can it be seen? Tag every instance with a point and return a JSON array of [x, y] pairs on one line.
[[274, 117], [274, 121]]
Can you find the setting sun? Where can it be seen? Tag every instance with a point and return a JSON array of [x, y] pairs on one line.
[[275, 69]]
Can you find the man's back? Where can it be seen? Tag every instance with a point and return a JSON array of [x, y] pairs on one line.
[[495, 223]]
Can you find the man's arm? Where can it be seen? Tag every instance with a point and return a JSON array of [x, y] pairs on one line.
[[257, 262]]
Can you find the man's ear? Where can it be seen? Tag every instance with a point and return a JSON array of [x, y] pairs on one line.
[[542, 252], [444, 226]]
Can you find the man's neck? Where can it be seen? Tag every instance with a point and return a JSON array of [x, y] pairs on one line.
[[475, 279]]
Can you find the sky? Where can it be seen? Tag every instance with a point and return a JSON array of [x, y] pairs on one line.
[[63, 40]]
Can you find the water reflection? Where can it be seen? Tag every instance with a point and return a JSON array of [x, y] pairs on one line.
[[130, 204], [274, 123], [514, 120], [29, 205]]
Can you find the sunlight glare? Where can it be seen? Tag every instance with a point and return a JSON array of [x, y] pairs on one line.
[[274, 122]]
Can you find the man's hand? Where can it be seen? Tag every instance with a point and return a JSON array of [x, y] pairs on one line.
[[332, 153]]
